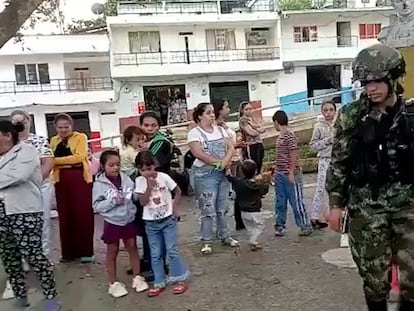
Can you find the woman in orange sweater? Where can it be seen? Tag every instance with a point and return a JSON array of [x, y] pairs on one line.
[[73, 191]]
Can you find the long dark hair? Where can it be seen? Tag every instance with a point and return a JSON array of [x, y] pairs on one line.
[[199, 110], [218, 105], [241, 107]]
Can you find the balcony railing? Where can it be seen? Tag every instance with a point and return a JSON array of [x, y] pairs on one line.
[[347, 4], [58, 85], [196, 56], [191, 7], [324, 42]]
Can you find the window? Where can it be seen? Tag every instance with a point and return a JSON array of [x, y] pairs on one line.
[[32, 74], [369, 31], [305, 33], [258, 37], [220, 39], [144, 42]]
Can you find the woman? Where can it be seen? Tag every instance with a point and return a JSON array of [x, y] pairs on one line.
[[251, 131], [213, 149], [221, 112], [73, 191], [21, 214]]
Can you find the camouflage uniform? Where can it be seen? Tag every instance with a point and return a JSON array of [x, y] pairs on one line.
[[381, 223]]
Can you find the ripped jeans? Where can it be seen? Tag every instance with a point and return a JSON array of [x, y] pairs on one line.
[[212, 191]]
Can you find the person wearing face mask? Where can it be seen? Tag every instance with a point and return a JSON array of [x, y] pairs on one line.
[[371, 175]]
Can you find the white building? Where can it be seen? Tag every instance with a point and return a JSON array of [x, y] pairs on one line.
[[194, 50], [318, 47], [45, 75]]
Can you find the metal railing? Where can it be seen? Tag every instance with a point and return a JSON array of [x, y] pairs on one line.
[[196, 56], [323, 42], [190, 7], [58, 85], [115, 140]]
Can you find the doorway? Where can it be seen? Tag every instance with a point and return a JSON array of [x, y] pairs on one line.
[[323, 79], [343, 34], [234, 92]]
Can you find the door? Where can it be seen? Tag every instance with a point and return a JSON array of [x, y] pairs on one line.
[[109, 126], [234, 92], [343, 34]]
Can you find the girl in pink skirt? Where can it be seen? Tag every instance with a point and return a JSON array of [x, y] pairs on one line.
[[112, 198]]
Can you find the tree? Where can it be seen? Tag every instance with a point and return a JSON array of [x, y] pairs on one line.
[[295, 5], [14, 15]]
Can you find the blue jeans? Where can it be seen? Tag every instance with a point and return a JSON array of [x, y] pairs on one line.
[[163, 235], [212, 191], [292, 192]]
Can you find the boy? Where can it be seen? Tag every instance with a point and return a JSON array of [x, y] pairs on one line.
[[288, 179], [248, 198]]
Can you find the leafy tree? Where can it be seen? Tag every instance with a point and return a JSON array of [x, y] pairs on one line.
[[295, 5]]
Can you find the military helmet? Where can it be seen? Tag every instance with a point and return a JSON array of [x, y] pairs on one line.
[[378, 62]]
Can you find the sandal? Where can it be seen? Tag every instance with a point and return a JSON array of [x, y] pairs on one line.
[[155, 291], [180, 288]]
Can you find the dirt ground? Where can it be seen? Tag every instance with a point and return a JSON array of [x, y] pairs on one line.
[[288, 275]]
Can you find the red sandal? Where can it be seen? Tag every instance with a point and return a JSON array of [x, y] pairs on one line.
[[180, 288], [155, 291]]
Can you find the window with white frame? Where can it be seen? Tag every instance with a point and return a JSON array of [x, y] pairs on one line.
[[32, 74], [144, 42], [220, 39], [305, 33]]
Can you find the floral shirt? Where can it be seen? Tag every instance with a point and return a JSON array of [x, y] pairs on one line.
[[245, 121]]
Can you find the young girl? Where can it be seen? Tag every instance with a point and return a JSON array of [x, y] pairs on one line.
[[133, 142], [160, 215], [321, 142], [112, 198]]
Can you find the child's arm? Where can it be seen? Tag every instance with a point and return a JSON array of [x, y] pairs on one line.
[[263, 189], [143, 195], [177, 201], [100, 203], [317, 142]]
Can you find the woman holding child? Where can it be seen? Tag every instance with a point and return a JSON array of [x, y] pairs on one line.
[[213, 149]]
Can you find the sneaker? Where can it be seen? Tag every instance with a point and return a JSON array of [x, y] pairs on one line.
[[8, 292], [305, 231], [52, 305], [117, 290], [54, 214], [139, 284], [280, 232], [318, 225], [230, 242], [206, 249], [87, 259]]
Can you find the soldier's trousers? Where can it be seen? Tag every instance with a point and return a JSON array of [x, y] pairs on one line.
[[376, 236]]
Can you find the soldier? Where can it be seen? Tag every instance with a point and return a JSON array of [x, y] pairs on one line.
[[372, 174]]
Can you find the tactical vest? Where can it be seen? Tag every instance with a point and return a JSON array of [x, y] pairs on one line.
[[382, 148]]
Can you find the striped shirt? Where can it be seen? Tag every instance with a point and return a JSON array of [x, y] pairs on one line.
[[285, 143]]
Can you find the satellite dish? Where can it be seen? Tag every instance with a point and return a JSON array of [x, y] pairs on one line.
[[98, 8]]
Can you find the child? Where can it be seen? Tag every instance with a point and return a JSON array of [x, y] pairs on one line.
[[112, 198], [160, 213], [322, 139], [133, 141], [288, 179], [248, 198]]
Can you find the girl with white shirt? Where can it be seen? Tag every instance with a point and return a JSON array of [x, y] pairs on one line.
[[213, 149]]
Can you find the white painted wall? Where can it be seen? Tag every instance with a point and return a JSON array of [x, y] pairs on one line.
[[96, 69], [293, 83], [326, 46], [267, 93]]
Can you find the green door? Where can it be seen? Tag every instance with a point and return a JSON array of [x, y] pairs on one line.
[[234, 92]]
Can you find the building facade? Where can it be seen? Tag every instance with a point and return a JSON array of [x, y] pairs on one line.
[[46, 75]]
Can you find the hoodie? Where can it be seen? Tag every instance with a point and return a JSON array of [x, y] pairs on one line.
[[103, 200], [248, 193], [322, 138], [162, 149]]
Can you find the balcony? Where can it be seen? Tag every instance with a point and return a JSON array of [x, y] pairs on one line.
[[192, 7], [195, 62], [57, 92], [338, 47], [58, 85]]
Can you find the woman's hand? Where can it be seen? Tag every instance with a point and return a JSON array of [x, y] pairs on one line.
[[335, 217]]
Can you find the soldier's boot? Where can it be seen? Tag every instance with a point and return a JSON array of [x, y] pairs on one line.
[[406, 305], [377, 305]]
